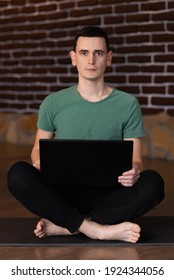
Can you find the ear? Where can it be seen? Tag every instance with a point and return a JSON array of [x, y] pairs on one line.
[[73, 57], [109, 58]]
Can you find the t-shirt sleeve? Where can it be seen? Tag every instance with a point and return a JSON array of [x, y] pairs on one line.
[[45, 115], [134, 125]]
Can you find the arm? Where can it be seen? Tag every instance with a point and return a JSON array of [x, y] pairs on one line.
[[35, 154], [130, 177]]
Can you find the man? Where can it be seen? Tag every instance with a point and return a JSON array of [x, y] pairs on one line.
[[89, 110]]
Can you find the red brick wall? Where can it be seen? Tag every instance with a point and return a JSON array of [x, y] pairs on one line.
[[36, 36]]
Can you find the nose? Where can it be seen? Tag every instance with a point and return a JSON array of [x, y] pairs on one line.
[[91, 59]]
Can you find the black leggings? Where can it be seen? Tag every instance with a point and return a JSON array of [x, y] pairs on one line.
[[68, 205]]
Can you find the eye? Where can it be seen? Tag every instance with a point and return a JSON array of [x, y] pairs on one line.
[[83, 53], [99, 53]]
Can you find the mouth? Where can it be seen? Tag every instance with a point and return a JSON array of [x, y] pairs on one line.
[[91, 69]]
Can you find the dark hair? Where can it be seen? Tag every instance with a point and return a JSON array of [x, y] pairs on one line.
[[91, 31]]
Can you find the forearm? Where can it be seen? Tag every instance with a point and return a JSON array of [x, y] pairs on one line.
[[35, 158], [139, 164], [35, 155]]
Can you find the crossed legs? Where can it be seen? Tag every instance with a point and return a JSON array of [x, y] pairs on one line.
[[104, 214], [125, 231]]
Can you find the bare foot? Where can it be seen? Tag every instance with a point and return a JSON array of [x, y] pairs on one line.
[[125, 231], [46, 228]]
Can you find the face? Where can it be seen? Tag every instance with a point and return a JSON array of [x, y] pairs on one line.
[[91, 57]]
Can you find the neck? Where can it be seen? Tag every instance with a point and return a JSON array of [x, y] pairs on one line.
[[93, 91]]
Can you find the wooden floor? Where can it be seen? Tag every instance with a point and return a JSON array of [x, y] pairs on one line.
[[9, 207]]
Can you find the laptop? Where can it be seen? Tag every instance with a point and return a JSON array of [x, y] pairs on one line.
[[84, 162]]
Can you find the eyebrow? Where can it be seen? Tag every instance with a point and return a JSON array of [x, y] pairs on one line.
[[83, 50]]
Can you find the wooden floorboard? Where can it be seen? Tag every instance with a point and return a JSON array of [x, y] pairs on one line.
[[9, 207]]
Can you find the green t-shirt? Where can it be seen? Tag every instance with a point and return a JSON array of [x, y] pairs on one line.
[[70, 116]]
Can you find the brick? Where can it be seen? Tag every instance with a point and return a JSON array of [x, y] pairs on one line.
[[137, 18], [152, 69], [17, 88], [10, 79], [153, 6], [171, 89], [7, 96], [10, 63], [107, 2], [139, 79], [38, 17], [87, 3], [126, 29], [57, 52], [73, 70], [19, 106], [64, 61], [164, 58], [64, 43], [39, 88], [56, 16], [153, 27], [38, 53], [12, 20], [68, 5], [116, 79], [164, 79], [19, 70], [34, 106], [21, 45], [163, 37], [40, 70], [170, 48], [34, 1], [39, 61], [142, 100], [25, 97], [130, 89], [47, 44], [76, 12], [3, 4], [89, 21], [3, 105], [20, 53], [170, 68], [127, 69], [28, 10], [140, 49], [151, 111], [56, 88], [170, 112], [100, 10], [170, 26], [47, 8], [166, 15], [162, 101], [137, 39], [171, 5], [131, 8], [58, 70], [118, 59], [18, 2], [139, 59], [42, 79], [68, 79], [153, 89], [10, 11], [113, 19], [116, 40], [16, 37], [4, 55]]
